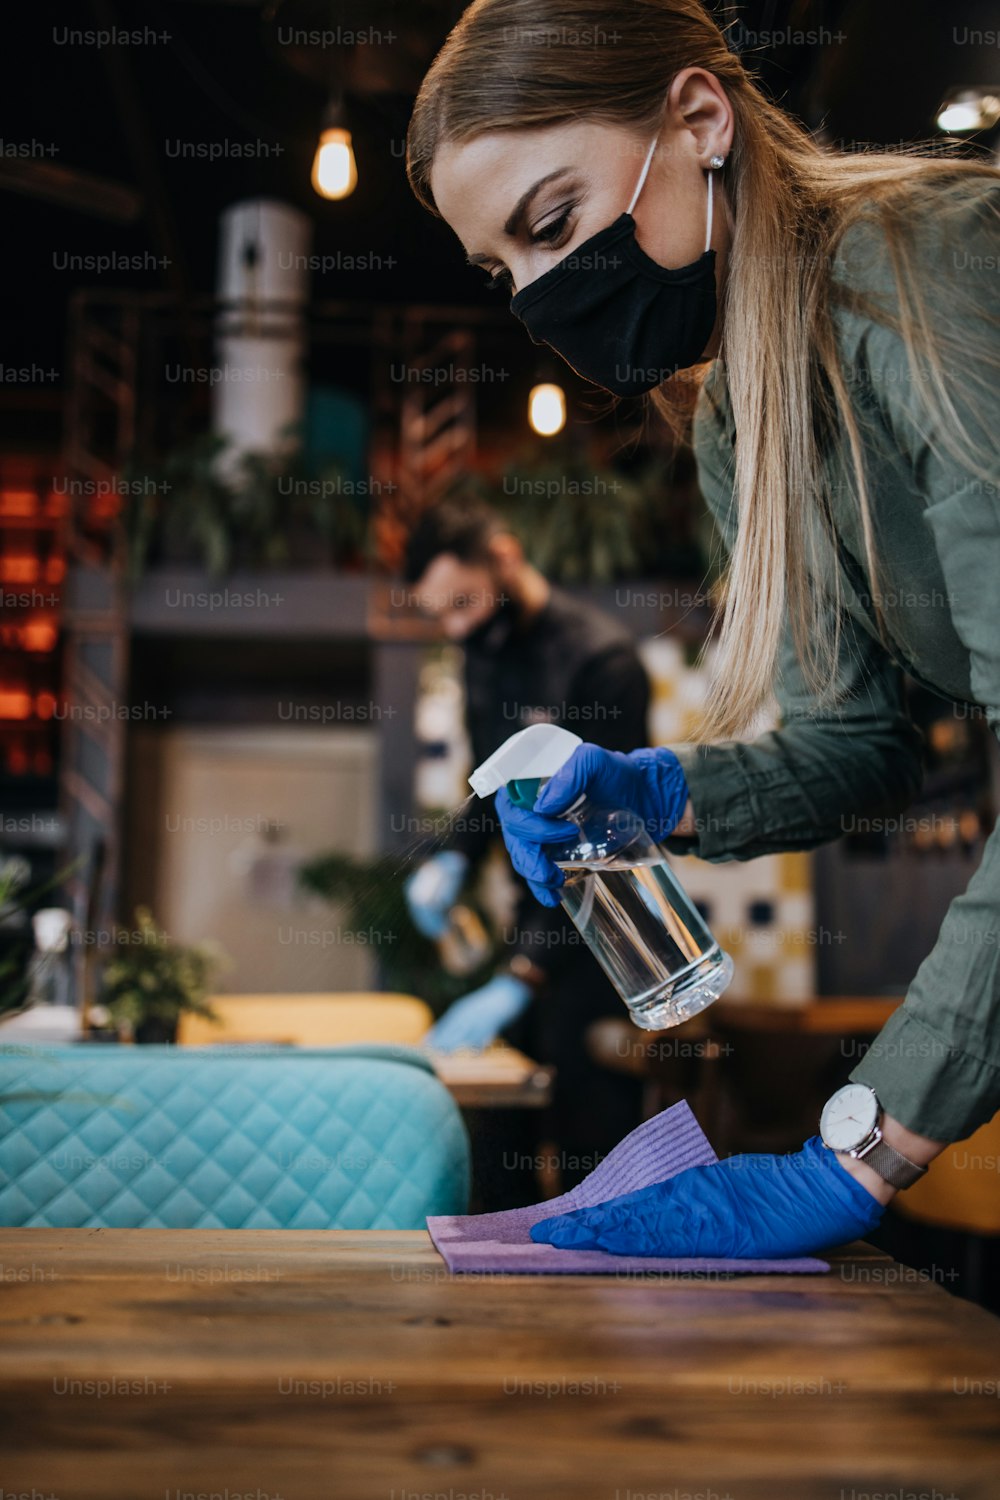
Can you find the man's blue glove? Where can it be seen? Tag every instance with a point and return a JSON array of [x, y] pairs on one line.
[[431, 891], [477, 1019], [647, 782], [747, 1207]]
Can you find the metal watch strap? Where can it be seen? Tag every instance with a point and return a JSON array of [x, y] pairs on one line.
[[892, 1166]]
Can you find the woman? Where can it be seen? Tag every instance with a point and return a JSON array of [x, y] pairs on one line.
[[834, 320]]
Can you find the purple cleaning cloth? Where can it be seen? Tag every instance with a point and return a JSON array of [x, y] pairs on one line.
[[660, 1148]]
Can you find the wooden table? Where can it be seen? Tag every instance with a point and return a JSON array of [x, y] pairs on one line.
[[689, 1061], [495, 1077], [830, 1015], [351, 1366]]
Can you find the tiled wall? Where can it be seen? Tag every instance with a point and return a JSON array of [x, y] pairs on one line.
[[760, 910]]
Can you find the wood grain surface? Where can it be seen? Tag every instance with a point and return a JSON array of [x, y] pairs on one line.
[[496, 1077], [840, 1015], [315, 1366]]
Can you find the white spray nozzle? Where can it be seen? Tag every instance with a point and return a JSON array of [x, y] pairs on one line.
[[538, 750]]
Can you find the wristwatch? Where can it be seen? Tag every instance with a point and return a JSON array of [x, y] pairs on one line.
[[851, 1122]]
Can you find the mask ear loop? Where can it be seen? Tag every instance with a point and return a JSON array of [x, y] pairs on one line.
[[642, 176]]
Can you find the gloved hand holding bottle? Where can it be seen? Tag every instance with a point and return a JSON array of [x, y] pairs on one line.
[[749, 1207], [649, 783], [477, 1019], [432, 890]]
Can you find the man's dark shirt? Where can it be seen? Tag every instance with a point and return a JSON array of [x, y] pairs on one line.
[[573, 665]]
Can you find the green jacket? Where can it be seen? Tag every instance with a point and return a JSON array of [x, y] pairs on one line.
[[936, 1063]]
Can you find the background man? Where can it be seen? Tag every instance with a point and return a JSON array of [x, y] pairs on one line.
[[532, 653]]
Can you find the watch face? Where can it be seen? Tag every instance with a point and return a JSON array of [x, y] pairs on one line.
[[849, 1118]]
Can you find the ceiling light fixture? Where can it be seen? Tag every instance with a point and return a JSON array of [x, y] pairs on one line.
[[968, 109], [334, 169]]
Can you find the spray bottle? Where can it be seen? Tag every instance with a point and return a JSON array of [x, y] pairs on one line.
[[619, 891]]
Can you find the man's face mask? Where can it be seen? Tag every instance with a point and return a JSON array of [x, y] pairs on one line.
[[617, 317]]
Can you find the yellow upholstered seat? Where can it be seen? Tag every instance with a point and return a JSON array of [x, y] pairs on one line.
[[310, 1020]]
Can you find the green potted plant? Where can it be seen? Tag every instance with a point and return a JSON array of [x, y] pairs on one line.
[[584, 519], [369, 893], [152, 980], [203, 504]]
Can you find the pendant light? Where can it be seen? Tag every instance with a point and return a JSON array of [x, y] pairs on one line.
[[334, 169]]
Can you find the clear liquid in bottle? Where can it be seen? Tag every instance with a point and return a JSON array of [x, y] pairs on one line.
[[646, 934]]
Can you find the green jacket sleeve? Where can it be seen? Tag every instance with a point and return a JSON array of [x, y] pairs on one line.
[[793, 788], [936, 1064]]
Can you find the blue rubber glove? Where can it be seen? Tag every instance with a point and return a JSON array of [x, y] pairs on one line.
[[647, 782], [477, 1019], [748, 1207], [431, 891]]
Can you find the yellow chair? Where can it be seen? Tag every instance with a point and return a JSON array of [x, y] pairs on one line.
[[962, 1186], [310, 1020]]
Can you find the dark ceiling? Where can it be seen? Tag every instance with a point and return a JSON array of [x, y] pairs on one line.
[[227, 75]]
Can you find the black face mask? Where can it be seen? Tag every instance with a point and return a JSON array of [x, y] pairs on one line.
[[615, 315]]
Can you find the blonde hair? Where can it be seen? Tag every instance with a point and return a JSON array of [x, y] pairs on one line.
[[518, 64]]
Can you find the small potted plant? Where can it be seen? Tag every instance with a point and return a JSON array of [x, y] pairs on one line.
[[152, 980]]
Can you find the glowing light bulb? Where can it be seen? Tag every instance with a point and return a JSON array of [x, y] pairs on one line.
[[547, 409], [959, 116], [335, 172], [969, 109]]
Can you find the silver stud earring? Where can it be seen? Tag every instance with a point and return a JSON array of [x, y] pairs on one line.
[[717, 161]]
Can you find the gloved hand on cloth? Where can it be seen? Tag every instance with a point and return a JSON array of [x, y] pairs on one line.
[[750, 1207], [647, 782]]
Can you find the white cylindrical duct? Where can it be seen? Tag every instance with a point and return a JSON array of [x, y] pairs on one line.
[[258, 381]]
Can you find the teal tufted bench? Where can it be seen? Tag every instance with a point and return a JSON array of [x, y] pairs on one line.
[[98, 1136]]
